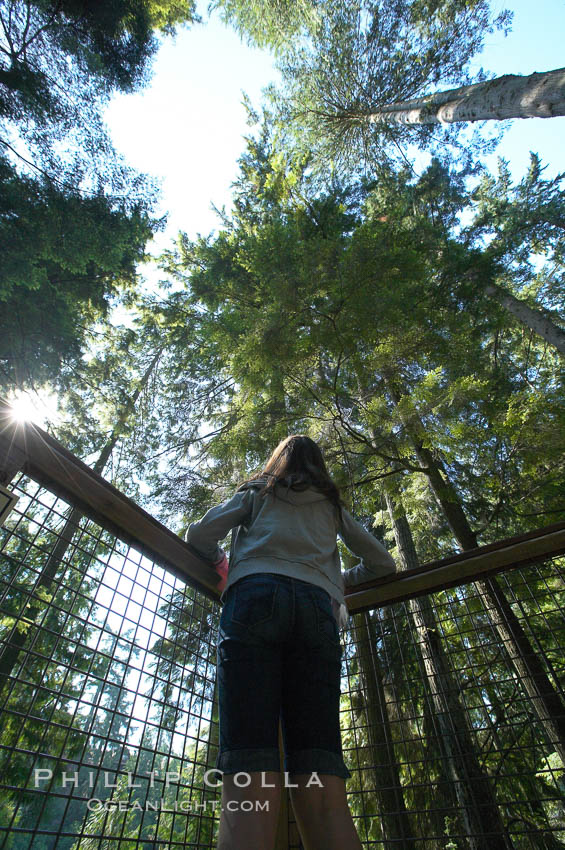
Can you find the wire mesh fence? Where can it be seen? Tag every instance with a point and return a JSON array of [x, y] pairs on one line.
[[448, 746], [108, 719], [107, 673]]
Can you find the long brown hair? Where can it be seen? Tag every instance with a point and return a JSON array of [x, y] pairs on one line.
[[298, 463]]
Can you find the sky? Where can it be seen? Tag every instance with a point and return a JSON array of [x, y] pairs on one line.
[[187, 127]]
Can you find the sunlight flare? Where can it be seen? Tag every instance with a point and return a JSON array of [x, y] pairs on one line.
[[35, 407]]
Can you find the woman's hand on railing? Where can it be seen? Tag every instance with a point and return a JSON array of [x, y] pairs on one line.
[[221, 568]]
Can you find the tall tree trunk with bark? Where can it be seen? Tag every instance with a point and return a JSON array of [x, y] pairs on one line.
[[539, 322], [16, 639], [546, 700], [479, 810], [538, 95]]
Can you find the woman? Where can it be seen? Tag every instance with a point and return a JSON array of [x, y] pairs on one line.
[[279, 652]]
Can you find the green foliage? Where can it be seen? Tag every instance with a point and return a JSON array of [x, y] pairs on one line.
[[167, 15], [307, 304], [60, 62], [522, 227], [108, 40], [65, 258], [270, 23], [74, 219]]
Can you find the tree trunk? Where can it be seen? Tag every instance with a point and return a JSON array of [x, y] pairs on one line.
[[17, 638], [539, 95], [532, 318], [546, 701], [479, 810], [395, 822]]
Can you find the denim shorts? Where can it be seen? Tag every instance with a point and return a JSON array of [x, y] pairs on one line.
[[279, 656]]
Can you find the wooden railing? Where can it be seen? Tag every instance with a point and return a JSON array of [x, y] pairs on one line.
[[28, 448]]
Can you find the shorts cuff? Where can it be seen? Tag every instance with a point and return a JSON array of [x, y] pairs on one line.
[[316, 761], [247, 761]]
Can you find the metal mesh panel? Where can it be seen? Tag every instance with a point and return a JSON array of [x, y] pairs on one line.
[[107, 673], [439, 728]]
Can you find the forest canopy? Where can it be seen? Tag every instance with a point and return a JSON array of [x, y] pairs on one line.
[[75, 217], [341, 303]]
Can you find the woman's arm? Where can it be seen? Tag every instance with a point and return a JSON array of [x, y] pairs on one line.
[[203, 535], [375, 562]]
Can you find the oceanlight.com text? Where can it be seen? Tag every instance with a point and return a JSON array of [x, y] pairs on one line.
[[185, 806]]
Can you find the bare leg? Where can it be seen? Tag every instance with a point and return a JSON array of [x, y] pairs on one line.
[[250, 825], [322, 813]]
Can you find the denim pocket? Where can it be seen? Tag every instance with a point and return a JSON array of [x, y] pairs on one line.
[[253, 601], [325, 619]]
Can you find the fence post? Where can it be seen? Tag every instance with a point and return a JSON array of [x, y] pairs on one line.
[[12, 459], [281, 842]]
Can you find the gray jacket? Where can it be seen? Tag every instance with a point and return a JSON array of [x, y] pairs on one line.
[[290, 532]]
